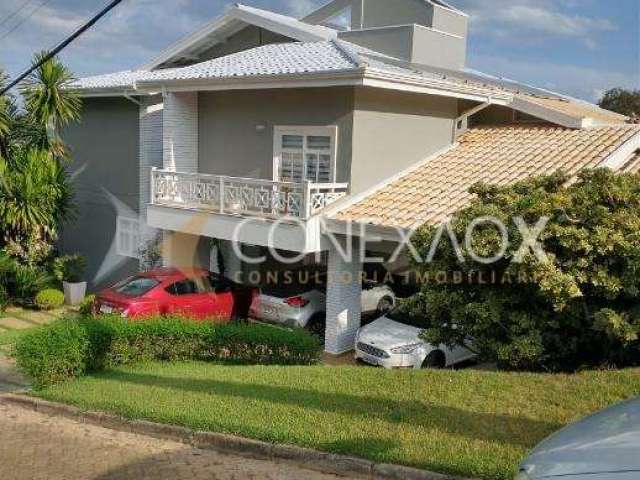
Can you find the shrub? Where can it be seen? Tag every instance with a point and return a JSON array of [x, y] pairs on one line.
[[26, 282], [264, 345], [108, 341], [53, 353], [575, 307], [69, 268], [86, 307], [49, 299], [118, 341], [4, 298]]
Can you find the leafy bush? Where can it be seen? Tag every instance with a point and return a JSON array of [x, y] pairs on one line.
[[49, 299], [25, 282], [86, 307], [69, 268], [4, 298], [109, 341], [264, 345], [575, 307], [53, 353], [118, 341]]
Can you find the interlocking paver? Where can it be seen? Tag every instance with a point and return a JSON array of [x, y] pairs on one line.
[[34, 446]]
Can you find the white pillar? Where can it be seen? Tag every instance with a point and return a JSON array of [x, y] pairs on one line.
[[150, 155], [180, 132], [179, 142], [344, 299]]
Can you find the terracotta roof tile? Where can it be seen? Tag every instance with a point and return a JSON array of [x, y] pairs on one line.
[[439, 187]]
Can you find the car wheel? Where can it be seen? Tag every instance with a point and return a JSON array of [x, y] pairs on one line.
[[384, 306], [317, 325], [435, 359]]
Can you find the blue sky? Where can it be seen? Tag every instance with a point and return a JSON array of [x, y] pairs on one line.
[[578, 47]]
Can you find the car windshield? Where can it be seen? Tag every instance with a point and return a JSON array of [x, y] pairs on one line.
[[135, 286], [401, 315]]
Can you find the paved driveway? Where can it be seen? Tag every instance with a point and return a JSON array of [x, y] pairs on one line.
[[34, 446]]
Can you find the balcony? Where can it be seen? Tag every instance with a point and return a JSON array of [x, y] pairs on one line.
[[243, 196]]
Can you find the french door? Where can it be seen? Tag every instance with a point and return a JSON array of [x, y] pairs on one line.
[[305, 154]]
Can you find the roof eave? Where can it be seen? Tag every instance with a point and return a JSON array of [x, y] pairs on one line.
[[345, 77], [550, 115]]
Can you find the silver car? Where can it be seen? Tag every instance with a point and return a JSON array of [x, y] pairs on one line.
[[303, 304], [603, 446]]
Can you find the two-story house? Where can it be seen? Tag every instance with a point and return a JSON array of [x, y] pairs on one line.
[[279, 132]]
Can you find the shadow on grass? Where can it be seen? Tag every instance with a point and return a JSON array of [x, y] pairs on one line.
[[484, 426]]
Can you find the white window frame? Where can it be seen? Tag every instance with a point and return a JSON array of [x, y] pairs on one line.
[[305, 131], [131, 228]]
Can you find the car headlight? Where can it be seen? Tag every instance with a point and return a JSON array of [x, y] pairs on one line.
[[522, 476], [405, 349]]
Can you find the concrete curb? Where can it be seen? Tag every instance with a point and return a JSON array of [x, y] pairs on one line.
[[312, 459]]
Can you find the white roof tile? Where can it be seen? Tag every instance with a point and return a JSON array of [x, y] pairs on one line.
[[115, 80], [274, 59]]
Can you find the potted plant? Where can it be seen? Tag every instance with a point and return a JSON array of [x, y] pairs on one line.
[[69, 270]]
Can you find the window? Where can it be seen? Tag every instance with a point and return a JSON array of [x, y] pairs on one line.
[[135, 286], [183, 287], [305, 154], [128, 237]]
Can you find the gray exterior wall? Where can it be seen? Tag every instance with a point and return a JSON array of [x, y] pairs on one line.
[[394, 130], [413, 43], [105, 164], [229, 143]]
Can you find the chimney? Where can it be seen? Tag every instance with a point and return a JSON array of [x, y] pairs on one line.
[[427, 32]]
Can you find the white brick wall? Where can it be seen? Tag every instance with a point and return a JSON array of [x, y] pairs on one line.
[[344, 301], [180, 125]]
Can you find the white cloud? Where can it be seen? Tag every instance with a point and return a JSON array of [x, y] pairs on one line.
[[537, 20]]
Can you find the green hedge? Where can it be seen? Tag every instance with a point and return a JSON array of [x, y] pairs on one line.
[[53, 353], [71, 347]]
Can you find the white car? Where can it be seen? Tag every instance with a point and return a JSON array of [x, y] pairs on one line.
[[393, 341], [304, 304]]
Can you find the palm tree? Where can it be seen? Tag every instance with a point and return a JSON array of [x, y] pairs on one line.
[[36, 197], [5, 118], [49, 101]]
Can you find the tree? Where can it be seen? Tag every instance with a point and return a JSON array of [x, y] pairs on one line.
[[573, 302], [35, 193], [49, 101], [625, 102]]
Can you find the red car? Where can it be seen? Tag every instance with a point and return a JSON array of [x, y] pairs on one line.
[[193, 293]]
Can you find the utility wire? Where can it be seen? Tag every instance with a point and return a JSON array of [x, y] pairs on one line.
[[15, 12], [24, 19], [62, 45]]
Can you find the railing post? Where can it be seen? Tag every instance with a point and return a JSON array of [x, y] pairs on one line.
[[307, 200], [152, 189], [221, 194]]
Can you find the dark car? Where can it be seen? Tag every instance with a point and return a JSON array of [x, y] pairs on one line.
[[193, 293]]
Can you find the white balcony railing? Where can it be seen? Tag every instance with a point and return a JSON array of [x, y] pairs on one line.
[[243, 196]]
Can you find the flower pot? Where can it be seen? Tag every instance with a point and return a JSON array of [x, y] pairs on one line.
[[74, 293]]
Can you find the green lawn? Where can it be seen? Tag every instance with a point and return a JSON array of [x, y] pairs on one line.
[[468, 422]]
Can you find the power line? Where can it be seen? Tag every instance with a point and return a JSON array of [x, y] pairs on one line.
[[62, 45], [24, 19], [15, 12]]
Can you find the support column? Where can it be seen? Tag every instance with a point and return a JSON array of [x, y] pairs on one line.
[[150, 155], [180, 132], [179, 144], [344, 299]]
